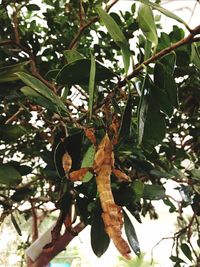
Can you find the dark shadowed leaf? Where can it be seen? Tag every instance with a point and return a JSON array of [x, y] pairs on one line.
[[15, 224], [186, 251], [9, 175], [131, 234], [22, 169], [151, 123], [165, 81], [22, 193], [99, 239], [11, 133], [92, 84], [126, 119], [68, 74], [153, 192], [32, 7]]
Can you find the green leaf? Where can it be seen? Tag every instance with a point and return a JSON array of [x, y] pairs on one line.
[[22, 194], [37, 98], [15, 224], [9, 175], [195, 174], [68, 74], [163, 100], [52, 74], [176, 259], [165, 81], [22, 169], [163, 11], [99, 239], [11, 133], [72, 55], [142, 111], [88, 161], [8, 73], [42, 89], [195, 55], [126, 119], [32, 7], [153, 192], [147, 23], [92, 84], [138, 188], [126, 55], [186, 251], [117, 35], [151, 124], [131, 234]]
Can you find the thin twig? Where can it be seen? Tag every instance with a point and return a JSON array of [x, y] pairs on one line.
[[87, 25], [14, 116]]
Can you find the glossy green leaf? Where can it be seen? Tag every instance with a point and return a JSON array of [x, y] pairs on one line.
[[16, 225], [165, 81], [11, 133], [68, 74], [117, 35], [37, 98], [9, 175], [88, 161], [126, 119], [8, 73], [131, 234], [163, 100], [151, 123], [153, 192], [195, 56], [186, 251], [142, 111], [163, 11], [72, 55], [92, 84], [147, 23], [99, 239], [42, 89]]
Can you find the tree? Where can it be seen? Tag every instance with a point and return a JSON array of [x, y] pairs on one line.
[[71, 111]]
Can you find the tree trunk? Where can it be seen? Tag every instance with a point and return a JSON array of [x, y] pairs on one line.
[[47, 255]]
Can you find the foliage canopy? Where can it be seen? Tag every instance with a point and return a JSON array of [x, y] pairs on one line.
[[68, 76]]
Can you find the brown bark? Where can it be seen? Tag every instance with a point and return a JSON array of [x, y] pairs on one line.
[[60, 244]]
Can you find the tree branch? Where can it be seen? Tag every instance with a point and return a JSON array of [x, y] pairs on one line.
[[189, 39], [87, 25], [47, 255]]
